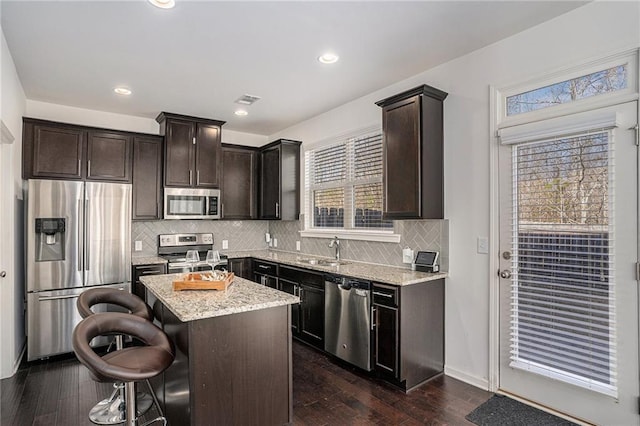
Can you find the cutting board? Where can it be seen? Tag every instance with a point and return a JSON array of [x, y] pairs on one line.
[[196, 281]]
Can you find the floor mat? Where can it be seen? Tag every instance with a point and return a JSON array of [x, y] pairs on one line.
[[501, 410]]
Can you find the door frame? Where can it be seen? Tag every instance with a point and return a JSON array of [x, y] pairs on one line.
[[496, 93]]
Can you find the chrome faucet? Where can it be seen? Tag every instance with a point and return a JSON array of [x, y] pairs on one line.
[[335, 243]]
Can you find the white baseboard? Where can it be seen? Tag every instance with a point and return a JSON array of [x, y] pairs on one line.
[[467, 378]]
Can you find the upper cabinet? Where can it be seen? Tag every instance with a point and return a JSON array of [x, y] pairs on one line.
[[64, 151], [239, 182], [412, 124], [193, 151], [280, 180], [147, 178]]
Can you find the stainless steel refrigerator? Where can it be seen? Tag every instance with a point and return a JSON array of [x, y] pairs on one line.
[[78, 236]]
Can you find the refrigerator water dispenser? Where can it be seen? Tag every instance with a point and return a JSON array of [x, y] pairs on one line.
[[49, 239]]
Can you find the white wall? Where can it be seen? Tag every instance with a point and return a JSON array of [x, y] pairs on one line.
[[109, 120], [597, 29], [12, 106]]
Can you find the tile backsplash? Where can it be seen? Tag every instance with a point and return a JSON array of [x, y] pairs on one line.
[[432, 235], [242, 235]]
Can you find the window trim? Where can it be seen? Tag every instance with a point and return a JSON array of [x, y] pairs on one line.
[[390, 235], [629, 57]]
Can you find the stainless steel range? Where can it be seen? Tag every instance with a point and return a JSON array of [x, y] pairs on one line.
[[174, 247]]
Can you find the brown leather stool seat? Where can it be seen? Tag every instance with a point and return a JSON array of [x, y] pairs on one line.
[[111, 411], [124, 299], [129, 364]]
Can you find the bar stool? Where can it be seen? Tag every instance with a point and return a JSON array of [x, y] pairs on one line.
[[127, 365], [111, 411]]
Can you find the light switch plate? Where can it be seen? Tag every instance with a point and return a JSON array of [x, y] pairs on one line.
[[407, 255], [225, 244], [298, 245], [138, 246], [275, 242], [483, 245]]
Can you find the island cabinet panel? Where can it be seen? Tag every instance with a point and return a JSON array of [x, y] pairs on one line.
[[193, 150], [230, 370], [239, 182], [241, 267], [409, 332], [412, 125]]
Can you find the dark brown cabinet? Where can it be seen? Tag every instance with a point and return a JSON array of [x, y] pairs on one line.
[[138, 271], [280, 180], [147, 178], [109, 156], [241, 267], [412, 124], [239, 182], [308, 316], [409, 332], [64, 151], [193, 150]]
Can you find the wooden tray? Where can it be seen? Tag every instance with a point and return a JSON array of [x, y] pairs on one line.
[[194, 281]]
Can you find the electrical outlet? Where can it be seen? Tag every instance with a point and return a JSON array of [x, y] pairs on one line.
[[225, 244], [275, 242], [407, 255], [483, 245], [138, 246], [298, 245]]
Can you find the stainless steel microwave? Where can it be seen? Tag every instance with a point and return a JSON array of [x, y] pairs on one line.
[[191, 203]]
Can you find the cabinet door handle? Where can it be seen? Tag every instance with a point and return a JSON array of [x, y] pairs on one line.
[[277, 209], [301, 294], [377, 293], [190, 178], [79, 168], [89, 168], [373, 317], [198, 177], [194, 140], [222, 210]]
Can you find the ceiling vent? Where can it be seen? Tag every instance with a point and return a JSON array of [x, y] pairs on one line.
[[247, 99]]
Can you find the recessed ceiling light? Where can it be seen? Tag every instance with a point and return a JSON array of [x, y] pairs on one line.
[[163, 4], [122, 91], [241, 112], [328, 58]]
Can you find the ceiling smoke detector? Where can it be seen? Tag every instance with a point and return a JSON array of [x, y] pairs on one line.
[[247, 99]]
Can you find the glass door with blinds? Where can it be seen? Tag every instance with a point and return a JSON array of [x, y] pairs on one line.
[[568, 250]]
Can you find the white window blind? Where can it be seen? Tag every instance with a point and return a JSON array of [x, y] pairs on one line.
[[562, 292], [344, 185]]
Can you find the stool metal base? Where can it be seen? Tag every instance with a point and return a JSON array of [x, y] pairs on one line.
[[111, 411]]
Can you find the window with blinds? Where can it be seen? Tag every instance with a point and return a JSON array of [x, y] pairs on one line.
[[562, 289], [344, 185]]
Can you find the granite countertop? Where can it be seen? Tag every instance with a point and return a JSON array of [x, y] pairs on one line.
[[241, 296], [147, 260], [380, 273]]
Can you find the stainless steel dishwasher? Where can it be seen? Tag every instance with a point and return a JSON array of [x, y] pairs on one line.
[[347, 319]]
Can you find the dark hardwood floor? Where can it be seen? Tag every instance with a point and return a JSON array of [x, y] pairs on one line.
[[60, 392]]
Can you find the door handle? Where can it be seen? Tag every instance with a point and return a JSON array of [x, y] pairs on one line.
[[87, 235], [373, 317], [79, 238], [44, 299], [277, 209], [198, 177], [190, 178], [505, 274], [3, 274]]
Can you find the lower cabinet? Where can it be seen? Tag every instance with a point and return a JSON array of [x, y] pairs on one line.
[[241, 267], [409, 332], [138, 271], [308, 317], [265, 273]]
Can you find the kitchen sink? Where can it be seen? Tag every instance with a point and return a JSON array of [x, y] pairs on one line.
[[323, 262]]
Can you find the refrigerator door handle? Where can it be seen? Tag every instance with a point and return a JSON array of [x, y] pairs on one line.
[[72, 296], [79, 237], [87, 227]]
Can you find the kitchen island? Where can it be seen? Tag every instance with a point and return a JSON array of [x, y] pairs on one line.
[[233, 353]]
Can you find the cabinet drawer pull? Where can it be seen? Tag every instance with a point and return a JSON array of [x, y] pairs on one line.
[[377, 293], [263, 266]]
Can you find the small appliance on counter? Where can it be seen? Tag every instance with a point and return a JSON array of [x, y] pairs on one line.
[[426, 261]]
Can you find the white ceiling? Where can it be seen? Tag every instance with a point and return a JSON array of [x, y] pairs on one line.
[[199, 57]]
